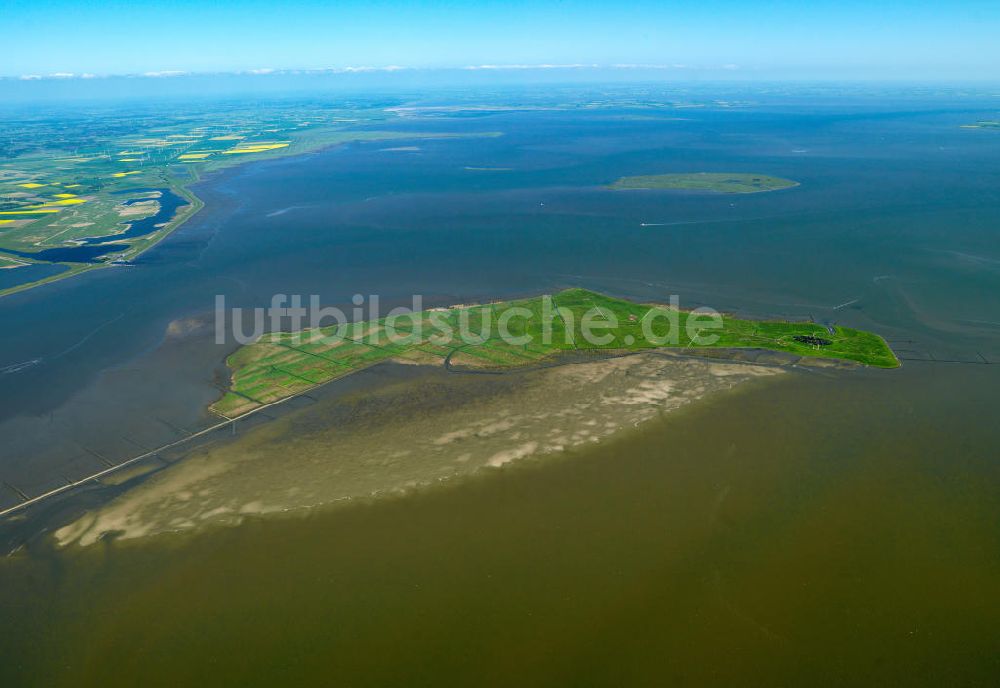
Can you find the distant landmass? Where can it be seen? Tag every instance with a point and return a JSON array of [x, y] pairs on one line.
[[75, 195], [712, 182], [984, 124]]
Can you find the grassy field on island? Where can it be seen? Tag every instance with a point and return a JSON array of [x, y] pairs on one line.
[[983, 124], [283, 364], [712, 182]]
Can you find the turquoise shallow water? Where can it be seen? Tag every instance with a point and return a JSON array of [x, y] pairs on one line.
[[825, 529]]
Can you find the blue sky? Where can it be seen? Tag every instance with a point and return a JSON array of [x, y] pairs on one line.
[[775, 38]]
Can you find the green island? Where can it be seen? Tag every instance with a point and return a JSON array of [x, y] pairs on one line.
[[283, 364], [71, 189], [712, 182], [983, 124]]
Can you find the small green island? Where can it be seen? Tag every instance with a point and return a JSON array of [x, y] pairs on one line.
[[283, 364], [711, 182], [983, 124]]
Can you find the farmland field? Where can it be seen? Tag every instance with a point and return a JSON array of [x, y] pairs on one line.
[[66, 182]]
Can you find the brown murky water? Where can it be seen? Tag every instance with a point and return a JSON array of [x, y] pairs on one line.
[[815, 528], [409, 426]]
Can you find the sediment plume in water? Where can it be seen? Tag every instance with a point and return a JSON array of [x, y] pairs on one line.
[[423, 430]]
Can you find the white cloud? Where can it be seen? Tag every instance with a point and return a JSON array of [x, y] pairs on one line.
[[646, 66], [530, 66], [387, 68], [349, 69], [360, 69]]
